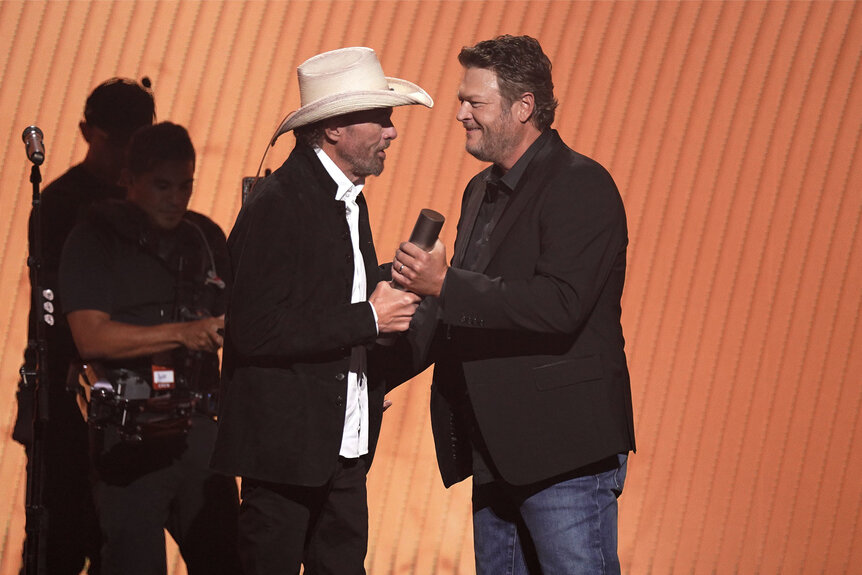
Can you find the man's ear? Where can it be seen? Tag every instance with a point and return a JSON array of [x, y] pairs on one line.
[[333, 131], [524, 107]]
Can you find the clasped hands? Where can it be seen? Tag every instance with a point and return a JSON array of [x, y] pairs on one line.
[[420, 273]]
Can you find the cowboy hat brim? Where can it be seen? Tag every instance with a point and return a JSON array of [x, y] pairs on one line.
[[400, 93]]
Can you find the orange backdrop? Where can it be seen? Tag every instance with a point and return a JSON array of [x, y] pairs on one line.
[[733, 132]]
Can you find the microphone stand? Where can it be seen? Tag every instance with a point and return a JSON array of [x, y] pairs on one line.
[[36, 374]]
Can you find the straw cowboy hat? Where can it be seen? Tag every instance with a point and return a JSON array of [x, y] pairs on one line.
[[347, 80]]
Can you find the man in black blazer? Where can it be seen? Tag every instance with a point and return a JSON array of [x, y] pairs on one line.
[[301, 403], [531, 391]]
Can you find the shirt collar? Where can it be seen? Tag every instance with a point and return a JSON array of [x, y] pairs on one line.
[[511, 178], [347, 190]]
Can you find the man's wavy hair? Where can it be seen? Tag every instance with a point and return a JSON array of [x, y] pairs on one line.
[[521, 66], [311, 134]]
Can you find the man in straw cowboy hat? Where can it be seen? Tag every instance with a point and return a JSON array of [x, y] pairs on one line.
[[302, 395]]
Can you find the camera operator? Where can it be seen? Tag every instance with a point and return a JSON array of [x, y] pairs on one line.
[[144, 298]]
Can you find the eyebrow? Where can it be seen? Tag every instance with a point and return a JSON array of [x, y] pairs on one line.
[[471, 97]]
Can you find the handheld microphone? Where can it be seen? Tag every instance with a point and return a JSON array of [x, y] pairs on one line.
[[425, 233], [32, 137], [427, 229]]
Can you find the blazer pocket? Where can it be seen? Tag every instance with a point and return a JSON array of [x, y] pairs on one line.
[[567, 372]]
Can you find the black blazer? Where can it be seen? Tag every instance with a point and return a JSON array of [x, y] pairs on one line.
[[290, 327], [533, 332]]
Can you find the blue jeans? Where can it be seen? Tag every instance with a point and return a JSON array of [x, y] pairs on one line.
[[565, 527]]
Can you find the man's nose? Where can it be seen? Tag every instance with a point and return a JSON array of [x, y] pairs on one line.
[[390, 133], [463, 112]]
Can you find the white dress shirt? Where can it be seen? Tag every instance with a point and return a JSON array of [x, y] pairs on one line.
[[354, 441]]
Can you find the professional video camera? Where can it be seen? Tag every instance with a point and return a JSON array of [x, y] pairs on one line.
[[149, 398]]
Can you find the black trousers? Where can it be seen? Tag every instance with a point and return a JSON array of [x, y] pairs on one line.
[[324, 528], [144, 489]]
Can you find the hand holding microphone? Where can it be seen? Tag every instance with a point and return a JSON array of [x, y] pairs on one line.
[[420, 263]]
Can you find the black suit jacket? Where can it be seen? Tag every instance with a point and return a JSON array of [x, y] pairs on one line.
[[290, 327], [532, 333]]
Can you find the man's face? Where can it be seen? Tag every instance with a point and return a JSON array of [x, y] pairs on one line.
[[362, 147], [491, 127], [163, 192]]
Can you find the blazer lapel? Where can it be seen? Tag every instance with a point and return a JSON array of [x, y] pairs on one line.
[[366, 246], [533, 180], [474, 202]]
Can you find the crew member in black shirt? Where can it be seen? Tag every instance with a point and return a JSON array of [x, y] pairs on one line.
[[145, 298]]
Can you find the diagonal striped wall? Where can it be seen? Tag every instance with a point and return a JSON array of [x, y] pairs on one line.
[[733, 131]]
